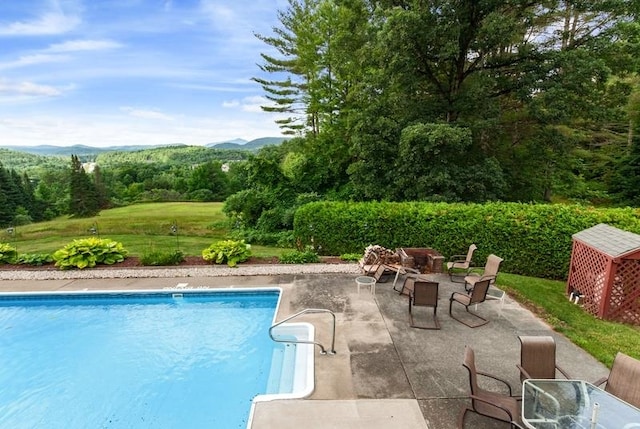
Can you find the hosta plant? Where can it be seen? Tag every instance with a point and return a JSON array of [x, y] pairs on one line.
[[34, 258], [227, 251], [89, 252], [8, 254]]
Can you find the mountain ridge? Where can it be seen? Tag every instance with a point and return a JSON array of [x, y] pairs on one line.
[[84, 150]]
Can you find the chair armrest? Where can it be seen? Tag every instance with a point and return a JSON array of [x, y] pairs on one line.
[[475, 271], [523, 371], [412, 272], [600, 381], [506, 383], [458, 258], [563, 372], [505, 409]]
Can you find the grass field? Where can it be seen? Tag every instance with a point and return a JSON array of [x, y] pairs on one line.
[[547, 298], [141, 228]]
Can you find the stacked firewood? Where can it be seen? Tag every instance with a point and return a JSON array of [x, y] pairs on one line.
[[375, 253]]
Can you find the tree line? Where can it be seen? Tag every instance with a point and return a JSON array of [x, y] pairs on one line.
[[42, 190], [449, 100]]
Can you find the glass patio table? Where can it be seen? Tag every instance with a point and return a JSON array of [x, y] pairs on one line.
[[574, 404]]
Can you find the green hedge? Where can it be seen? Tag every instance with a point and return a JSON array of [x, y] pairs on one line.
[[533, 239]]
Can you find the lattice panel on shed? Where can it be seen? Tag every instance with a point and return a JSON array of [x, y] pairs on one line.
[[624, 305], [588, 270]]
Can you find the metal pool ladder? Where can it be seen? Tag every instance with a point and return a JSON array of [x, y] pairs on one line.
[[300, 313]]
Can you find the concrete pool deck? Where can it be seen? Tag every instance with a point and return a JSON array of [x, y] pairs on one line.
[[384, 374]]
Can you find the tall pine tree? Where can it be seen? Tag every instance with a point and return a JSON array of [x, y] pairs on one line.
[[84, 196], [10, 196]]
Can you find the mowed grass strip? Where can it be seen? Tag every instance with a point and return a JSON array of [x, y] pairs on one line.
[[548, 299], [141, 228]]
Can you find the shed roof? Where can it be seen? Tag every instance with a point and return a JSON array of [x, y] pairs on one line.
[[610, 240]]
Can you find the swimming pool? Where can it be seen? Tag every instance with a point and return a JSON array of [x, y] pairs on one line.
[[152, 359]]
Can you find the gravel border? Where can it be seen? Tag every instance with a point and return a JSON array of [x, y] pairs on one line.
[[169, 272]]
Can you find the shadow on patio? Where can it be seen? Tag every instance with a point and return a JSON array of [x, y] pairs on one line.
[[385, 370]]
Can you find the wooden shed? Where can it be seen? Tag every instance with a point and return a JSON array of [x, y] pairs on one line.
[[605, 271]]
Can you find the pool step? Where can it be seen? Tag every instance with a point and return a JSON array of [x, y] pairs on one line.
[[282, 369]]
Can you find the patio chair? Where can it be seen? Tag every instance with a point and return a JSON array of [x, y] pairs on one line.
[[459, 265], [490, 272], [624, 379], [538, 358], [423, 294], [381, 271], [370, 264], [475, 296], [489, 403]]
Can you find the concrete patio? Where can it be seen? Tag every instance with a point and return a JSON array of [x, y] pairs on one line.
[[385, 374]]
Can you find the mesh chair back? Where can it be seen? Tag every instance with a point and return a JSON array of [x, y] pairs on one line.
[[624, 379], [469, 258], [425, 294], [479, 292], [538, 356], [492, 266]]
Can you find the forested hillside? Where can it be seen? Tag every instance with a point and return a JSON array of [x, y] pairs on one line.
[[190, 155], [22, 161], [471, 101], [34, 187]]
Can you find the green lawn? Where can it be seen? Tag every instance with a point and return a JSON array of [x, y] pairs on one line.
[[547, 298], [141, 228]]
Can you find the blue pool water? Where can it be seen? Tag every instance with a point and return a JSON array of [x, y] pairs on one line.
[[134, 361]]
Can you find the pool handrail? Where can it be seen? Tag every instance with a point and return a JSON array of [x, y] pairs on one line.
[[323, 351]]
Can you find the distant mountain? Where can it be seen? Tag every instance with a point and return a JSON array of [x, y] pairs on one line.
[[253, 145], [84, 151], [81, 150], [234, 141]]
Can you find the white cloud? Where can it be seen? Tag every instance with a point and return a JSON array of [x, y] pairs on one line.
[[46, 24], [24, 90], [30, 60], [251, 104], [83, 45], [122, 130], [254, 104], [146, 114], [216, 12], [231, 87], [232, 103], [58, 53]]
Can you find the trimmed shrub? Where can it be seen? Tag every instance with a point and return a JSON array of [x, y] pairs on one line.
[[299, 257], [159, 258], [533, 239], [89, 252]]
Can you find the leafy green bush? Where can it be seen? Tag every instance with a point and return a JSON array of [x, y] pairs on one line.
[[533, 239], [299, 257], [227, 251], [8, 254], [352, 257], [252, 235], [89, 252], [159, 258], [34, 258]]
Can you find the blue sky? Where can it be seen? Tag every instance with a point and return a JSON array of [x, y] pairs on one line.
[[119, 72]]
